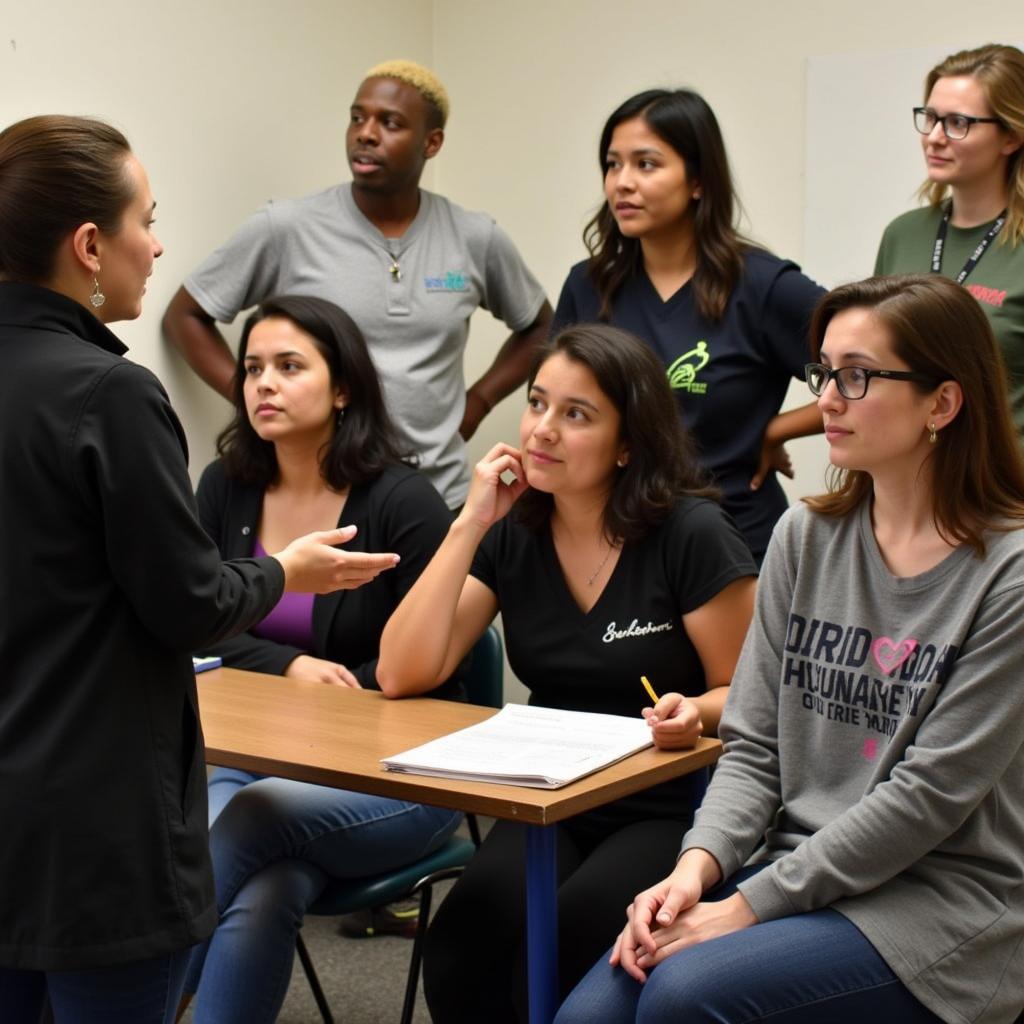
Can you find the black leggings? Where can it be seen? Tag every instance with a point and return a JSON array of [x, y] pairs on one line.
[[474, 966]]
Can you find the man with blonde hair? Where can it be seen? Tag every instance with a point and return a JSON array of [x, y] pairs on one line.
[[407, 265]]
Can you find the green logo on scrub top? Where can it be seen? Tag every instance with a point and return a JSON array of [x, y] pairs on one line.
[[682, 374]]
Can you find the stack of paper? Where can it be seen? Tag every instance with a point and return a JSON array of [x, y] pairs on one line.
[[527, 746]]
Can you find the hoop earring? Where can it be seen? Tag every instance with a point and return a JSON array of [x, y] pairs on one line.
[[933, 434], [97, 298]]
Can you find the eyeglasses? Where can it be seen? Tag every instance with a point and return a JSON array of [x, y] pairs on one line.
[[852, 381], [956, 126]]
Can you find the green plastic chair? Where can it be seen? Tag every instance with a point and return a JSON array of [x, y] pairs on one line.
[[483, 684]]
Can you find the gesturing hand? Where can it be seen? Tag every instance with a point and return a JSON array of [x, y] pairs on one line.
[[313, 565]]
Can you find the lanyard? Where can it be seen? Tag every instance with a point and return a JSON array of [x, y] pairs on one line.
[[975, 257]]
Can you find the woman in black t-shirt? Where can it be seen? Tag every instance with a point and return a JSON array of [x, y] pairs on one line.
[[727, 319], [613, 563]]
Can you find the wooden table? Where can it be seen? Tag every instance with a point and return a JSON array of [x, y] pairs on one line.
[[336, 737]]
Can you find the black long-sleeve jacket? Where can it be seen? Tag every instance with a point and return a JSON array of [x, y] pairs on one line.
[[107, 583]]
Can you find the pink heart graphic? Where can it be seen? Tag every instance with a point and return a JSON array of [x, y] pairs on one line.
[[870, 749], [890, 654]]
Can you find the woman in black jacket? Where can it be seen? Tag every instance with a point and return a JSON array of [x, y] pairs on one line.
[[311, 445], [107, 583]]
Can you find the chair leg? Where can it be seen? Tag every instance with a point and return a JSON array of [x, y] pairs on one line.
[[474, 829], [412, 982], [314, 981]]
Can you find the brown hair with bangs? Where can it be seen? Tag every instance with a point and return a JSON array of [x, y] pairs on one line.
[[662, 467], [938, 328]]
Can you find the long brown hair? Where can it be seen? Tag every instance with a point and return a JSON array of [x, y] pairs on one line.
[[57, 173], [662, 467], [685, 122], [999, 70], [937, 328], [365, 441]]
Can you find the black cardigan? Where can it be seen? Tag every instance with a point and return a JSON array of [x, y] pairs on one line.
[[107, 584], [398, 511]]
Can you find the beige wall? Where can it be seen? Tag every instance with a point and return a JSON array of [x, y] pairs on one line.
[[542, 76], [226, 102], [230, 102]]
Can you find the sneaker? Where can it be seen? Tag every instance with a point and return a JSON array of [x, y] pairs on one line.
[[394, 919]]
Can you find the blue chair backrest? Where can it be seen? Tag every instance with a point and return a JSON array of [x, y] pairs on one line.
[[485, 677]]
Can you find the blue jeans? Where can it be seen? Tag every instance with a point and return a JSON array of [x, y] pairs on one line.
[[802, 969], [275, 845], [222, 785], [142, 992]]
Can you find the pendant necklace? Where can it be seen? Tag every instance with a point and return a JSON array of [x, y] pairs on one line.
[[604, 562]]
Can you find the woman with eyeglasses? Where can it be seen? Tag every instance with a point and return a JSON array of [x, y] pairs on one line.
[[857, 856], [727, 319], [972, 230]]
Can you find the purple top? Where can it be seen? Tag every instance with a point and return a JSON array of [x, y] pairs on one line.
[[291, 619]]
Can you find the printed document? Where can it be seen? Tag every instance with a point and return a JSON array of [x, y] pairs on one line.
[[528, 746]]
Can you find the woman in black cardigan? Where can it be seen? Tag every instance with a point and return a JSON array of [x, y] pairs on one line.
[[310, 445], [107, 584]]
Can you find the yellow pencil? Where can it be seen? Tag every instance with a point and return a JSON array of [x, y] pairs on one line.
[[649, 689]]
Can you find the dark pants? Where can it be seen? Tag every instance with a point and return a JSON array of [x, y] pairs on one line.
[[142, 992], [474, 966]]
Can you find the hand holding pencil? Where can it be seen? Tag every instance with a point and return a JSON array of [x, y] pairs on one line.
[[674, 720]]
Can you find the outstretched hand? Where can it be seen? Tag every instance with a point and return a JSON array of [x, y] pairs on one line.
[[312, 564]]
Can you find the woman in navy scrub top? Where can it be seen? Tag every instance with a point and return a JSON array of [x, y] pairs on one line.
[[728, 320]]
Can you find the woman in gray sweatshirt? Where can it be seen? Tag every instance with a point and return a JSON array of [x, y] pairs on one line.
[[867, 817]]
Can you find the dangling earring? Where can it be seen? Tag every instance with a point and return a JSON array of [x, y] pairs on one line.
[[97, 298], [340, 417], [933, 435]]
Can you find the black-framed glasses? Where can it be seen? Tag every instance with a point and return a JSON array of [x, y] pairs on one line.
[[852, 381], [956, 126]]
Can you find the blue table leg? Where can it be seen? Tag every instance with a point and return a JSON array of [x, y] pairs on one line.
[[541, 923]]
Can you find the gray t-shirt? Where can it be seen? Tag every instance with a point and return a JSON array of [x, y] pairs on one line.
[[415, 320], [873, 738]]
